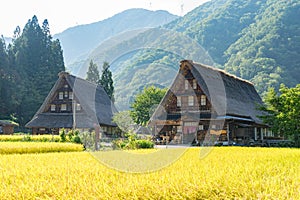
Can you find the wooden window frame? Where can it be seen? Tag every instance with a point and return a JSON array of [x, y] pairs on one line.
[[203, 100], [52, 107], [70, 95], [179, 101], [61, 95], [186, 84], [194, 84], [63, 107], [191, 101]]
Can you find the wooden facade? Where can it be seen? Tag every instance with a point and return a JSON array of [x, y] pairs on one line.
[[74, 103], [207, 106]]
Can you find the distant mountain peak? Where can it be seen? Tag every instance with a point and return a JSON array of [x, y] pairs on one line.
[[78, 41]]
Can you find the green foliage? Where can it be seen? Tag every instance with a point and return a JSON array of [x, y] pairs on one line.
[[283, 111], [62, 135], [71, 136], [255, 40], [92, 74], [267, 53], [124, 121], [132, 141], [88, 140], [32, 63], [74, 136], [106, 81], [145, 144], [145, 104]]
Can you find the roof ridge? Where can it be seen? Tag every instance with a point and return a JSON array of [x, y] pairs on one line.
[[63, 73], [219, 70]]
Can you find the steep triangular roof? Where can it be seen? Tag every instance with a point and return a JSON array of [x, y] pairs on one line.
[[229, 95], [96, 105]]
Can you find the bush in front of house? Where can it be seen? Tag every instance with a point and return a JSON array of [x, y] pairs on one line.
[[132, 141], [145, 144]]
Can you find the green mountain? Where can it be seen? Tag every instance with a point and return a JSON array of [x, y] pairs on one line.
[[78, 41], [268, 53], [256, 40]]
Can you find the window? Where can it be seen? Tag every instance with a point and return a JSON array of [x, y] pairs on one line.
[[70, 95], [78, 106], [190, 124], [66, 86], [60, 95], [190, 100], [63, 107], [203, 100], [201, 127], [53, 107], [178, 101], [186, 84], [179, 129], [214, 126], [66, 94], [194, 84]]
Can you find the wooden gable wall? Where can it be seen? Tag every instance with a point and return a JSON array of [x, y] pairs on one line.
[[184, 87], [62, 100]]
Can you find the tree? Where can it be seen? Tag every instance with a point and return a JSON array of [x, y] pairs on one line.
[[4, 80], [34, 60], [283, 111], [92, 74], [124, 121], [144, 102], [106, 81]]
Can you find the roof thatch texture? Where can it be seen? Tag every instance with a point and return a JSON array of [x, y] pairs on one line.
[[228, 94], [97, 106], [8, 123]]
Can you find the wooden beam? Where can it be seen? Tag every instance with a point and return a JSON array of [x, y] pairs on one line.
[[166, 122]]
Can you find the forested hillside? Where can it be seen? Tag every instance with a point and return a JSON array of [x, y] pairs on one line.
[[256, 40], [28, 70], [78, 41], [268, 53]]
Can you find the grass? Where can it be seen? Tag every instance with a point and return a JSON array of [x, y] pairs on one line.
[[225, 173]]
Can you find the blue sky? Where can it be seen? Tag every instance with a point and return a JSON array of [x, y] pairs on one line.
[[63, 14]]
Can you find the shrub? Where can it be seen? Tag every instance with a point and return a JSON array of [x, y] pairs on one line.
[[62, 135], [132, 142], [87, 139], [76, 138], [145, 144]]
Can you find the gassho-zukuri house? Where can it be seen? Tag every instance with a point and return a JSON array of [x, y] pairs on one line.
[[206, 105], [74, 103]]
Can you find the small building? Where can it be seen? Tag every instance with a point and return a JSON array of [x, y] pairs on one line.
[[205, 105], [74, 103], [7, 126]]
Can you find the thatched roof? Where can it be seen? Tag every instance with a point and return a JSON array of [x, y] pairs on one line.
[[8, 123], [231, 97], [96, 105]]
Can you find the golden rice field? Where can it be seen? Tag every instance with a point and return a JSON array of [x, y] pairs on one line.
[[225, 173], [26, 137], [37, 147]]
